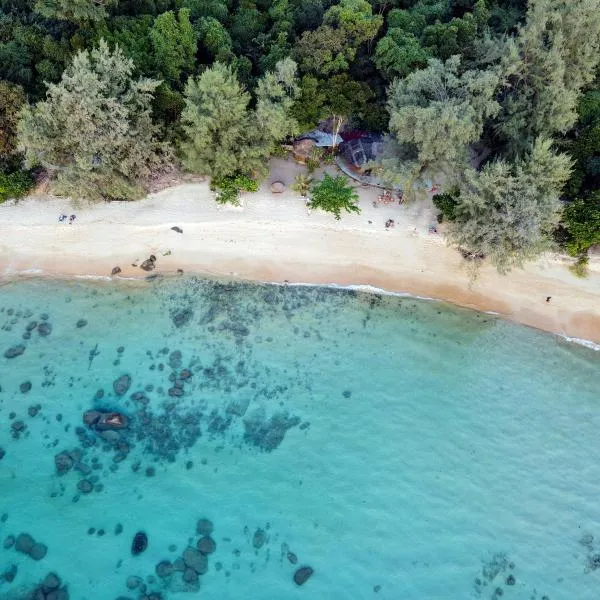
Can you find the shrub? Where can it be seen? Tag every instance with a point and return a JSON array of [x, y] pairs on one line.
[[581, 219], [580, 268], [446, 204], [333, 194], [15, 185], [229, 188]]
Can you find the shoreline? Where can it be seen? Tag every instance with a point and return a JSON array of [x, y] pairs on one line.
[[274, 239]]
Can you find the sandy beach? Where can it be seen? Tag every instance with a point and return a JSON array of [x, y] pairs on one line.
[[272, 237]]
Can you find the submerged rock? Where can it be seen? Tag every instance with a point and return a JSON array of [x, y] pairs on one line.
[[302, 575], [182, 317], [139, 544], [259, 539], [63, 462], [2, 452], [164, 568], [24, 543], [267, 434], [81, 323], [14, 351], [195, 560], [44, 329], [10, 574], [206, 545], [204, 527], [122, 384], [38, 551], [25, 387]]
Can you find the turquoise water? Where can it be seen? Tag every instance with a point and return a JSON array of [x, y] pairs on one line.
[[402, 449]]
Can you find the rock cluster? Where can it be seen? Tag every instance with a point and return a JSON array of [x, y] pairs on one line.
[[139, 543], [25, 544], [51, 588]]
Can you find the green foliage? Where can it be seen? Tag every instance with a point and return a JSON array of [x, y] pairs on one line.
[[215, 122], [580, 267], [446, 204], [507, 211], [302, 184], [458, 36], [15, 185], [223, 137], [332, 46], [308, 107], [399, 53], [435, 113], [174, 43], [334, 194], [554, 56], [78, 11], [216, 39], [581, 219], [12, 99], [93, 132], [229, 188]]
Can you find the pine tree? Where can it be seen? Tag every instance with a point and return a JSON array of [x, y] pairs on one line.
[[93, 132]]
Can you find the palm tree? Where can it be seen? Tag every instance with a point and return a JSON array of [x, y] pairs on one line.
[[302, 184]]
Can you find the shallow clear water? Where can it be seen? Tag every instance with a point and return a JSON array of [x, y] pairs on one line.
[[400, 448]]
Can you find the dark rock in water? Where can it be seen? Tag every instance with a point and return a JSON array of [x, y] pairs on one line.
[[31, 326], [118, 529], [91, 417], [195, 560], [2, 452], [51, 582], [63, 462], [25, 387], [24, 543], [267, 434], [302, 575], [177, 229], [185, 374], [139, 544], [182, 317], [9, 542], [190, 576], [179, 565], [44, 329], [38, 551], [14, 351], [32, 411], [292, 558], [133, 582], [164, 568], [206, 545], [10, 574], [122, 384], [81, 323], [510, 580], [175, 392], [204, 527], [259, 539], [148, 265], [85, 486], [115, 271]]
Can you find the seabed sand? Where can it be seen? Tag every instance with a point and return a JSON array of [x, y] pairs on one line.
[[272, 237]]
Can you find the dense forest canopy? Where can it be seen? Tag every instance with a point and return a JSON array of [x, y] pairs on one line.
[[101, 93]]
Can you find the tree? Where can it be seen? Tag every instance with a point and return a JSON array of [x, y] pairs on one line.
[[554, 56], [93, 132], [332, 46], [215, 122], [334, 194], [78, 11], [275, 95], [581, 220], [12, 99], [399, 53], [435, 113], [308, 107], [174, 44], [223, 137], [507, 211], [216, 39]]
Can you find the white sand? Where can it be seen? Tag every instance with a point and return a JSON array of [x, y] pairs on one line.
[[273, 238]]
